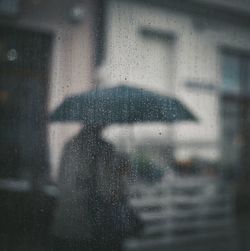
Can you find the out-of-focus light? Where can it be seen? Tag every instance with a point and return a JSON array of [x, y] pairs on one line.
[[12, 55], [77, 14]]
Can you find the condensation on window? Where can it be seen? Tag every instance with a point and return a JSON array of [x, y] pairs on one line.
[[124, 125]]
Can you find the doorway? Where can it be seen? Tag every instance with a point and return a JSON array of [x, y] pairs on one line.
[[24, 70]]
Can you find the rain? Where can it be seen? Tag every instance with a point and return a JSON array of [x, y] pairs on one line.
[[124, 125]]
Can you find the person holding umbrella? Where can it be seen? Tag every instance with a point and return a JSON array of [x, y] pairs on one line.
[[97, 109], [92, 192]]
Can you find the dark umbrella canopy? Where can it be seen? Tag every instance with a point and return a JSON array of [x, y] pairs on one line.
[[122, 104]]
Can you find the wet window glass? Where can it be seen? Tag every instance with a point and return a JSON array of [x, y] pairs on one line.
[[124, 125]]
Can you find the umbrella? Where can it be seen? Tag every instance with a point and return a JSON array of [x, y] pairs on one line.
[[121, 104]]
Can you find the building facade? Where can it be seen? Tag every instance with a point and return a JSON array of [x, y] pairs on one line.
[[195, 51]]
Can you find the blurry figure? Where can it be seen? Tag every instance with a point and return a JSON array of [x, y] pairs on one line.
[[115, 219], [91, 182], [73, 227]]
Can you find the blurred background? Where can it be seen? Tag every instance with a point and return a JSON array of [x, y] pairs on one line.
[[191, 179]]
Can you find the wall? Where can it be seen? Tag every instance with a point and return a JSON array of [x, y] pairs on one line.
[[195, 55]]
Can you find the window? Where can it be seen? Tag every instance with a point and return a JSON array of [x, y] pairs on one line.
[[235, 108]]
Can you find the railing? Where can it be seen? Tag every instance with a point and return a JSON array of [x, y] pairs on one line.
[[184, 213]]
